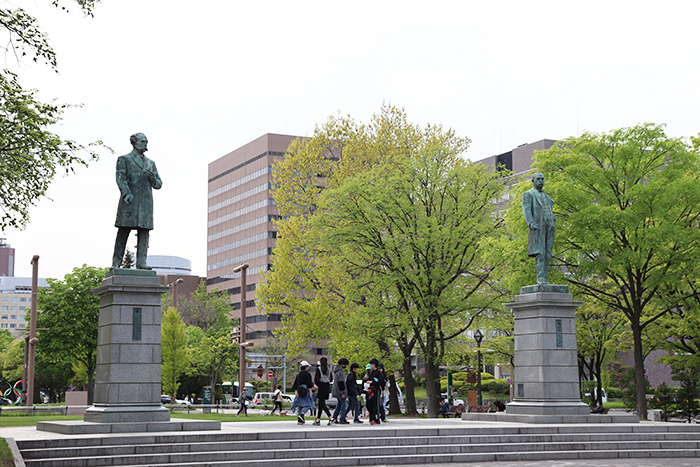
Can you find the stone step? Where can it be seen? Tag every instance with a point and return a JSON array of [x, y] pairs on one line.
[[428, 459], [360, 450], [320, 443]]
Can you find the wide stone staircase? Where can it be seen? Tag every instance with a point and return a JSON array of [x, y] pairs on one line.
[[338, 446]]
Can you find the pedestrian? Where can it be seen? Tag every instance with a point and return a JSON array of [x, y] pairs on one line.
[[444, 409], [374, 393], [301, 386], [351, 383], [277, 400], [243, 406], [340, 391], [323, 379], [385, 392]]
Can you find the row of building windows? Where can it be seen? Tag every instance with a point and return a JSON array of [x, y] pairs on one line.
[[263, 318], [237, 290], [240, 181], [240, 196], [12, 326], [240, 227], [13, 308], [258, 334], [248, 304], [15, 299], [236, 275], [242, 242], [243, 164], [237, 259], [240, 212], [12, 317]]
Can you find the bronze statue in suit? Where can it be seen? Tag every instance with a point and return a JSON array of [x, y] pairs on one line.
[[537, 209], [136, 176]]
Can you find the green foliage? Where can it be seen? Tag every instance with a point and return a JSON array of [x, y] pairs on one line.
[[70, 312], [614, 393], [689, 392], [31, 154], [208, 310], [174, 351], [626, 382], [664, 400], [128, 261], [13, 361]]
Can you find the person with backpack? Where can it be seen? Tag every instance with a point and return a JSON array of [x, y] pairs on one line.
[[340, 391], [323, 379], [301, 386], [277, 400]]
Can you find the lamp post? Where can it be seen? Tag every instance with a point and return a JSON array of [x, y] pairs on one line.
[[478, 336], [243, 343], [173, 287]]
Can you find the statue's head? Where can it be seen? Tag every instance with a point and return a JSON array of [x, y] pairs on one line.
[[139, 142], [538, 180]]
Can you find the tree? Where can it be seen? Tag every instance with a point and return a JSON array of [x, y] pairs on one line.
[[31, 154], [205, 309], [70, 312], [174, 351], [627, 206], [13, 361], [128, 261], [417, 231], [211, 354]]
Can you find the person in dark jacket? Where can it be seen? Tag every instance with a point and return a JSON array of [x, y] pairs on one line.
[[323, 379], [340, 391], [302, 387], [444, 409], [374, 393], [351, 383]]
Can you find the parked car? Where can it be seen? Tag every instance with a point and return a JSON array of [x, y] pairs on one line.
[[183, 402], [165, 399], [259, 398]]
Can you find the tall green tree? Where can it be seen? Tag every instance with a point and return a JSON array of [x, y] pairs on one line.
[[417, 229], [70, 314], [31, 154], [207, 310], [628, 205], [174, 351]]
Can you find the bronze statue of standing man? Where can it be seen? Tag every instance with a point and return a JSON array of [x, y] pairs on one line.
[[136, 176], [537, 209]]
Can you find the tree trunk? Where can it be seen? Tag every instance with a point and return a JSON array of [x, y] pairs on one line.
[[409, 395], [432, 385], [640, 384], [394, 406], [599, 379]]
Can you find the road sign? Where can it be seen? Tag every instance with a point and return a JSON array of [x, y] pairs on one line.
[[269, 374]]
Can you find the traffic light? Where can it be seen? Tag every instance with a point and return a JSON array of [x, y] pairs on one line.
[[236, 335]]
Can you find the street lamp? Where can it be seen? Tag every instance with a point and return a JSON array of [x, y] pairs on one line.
[[243, 269], [478, 336], [173, 286]]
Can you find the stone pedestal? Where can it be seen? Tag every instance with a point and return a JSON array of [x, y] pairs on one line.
[[128, 378], [546, 362], [128, 374]]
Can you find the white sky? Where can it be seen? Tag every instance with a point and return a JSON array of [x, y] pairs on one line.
[[200, 79]]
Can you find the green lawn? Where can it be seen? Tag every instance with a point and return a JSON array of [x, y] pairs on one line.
[[30, 420], [6, 459]]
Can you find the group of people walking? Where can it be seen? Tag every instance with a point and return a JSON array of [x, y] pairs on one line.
[[345, 388]]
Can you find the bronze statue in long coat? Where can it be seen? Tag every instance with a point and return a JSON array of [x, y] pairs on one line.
[[136, 177], [537, 210]]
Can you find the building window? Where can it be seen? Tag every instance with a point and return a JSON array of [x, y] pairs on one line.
[[3, 325], [13, 325], [4, 316], [13, 316], [14, 308], [14, 299], [22, 299], [5, 299], [5, 308], [21, 316], [21, 325], [22, 308]]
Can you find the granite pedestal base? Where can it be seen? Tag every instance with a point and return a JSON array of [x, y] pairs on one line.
[[550, 419], [78, 427], [546, 362]]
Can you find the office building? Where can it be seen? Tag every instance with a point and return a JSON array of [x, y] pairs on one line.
[[7, 259], [16, 302], [239, 227]]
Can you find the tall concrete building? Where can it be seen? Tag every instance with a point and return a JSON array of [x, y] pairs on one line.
[[239, 227], [7, 259]]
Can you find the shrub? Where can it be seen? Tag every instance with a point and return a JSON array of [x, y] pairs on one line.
[[664, 400], [614, 393], [625, 382]]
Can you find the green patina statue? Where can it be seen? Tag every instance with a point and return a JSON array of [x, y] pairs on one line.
[[136, 176], [537, 209]]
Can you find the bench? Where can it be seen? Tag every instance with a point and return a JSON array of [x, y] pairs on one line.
[[455, 410]]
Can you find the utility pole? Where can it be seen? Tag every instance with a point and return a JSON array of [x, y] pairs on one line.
[[173, 290], [32, 334]]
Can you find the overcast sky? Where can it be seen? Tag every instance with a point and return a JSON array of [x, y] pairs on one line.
[[200, 79]]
